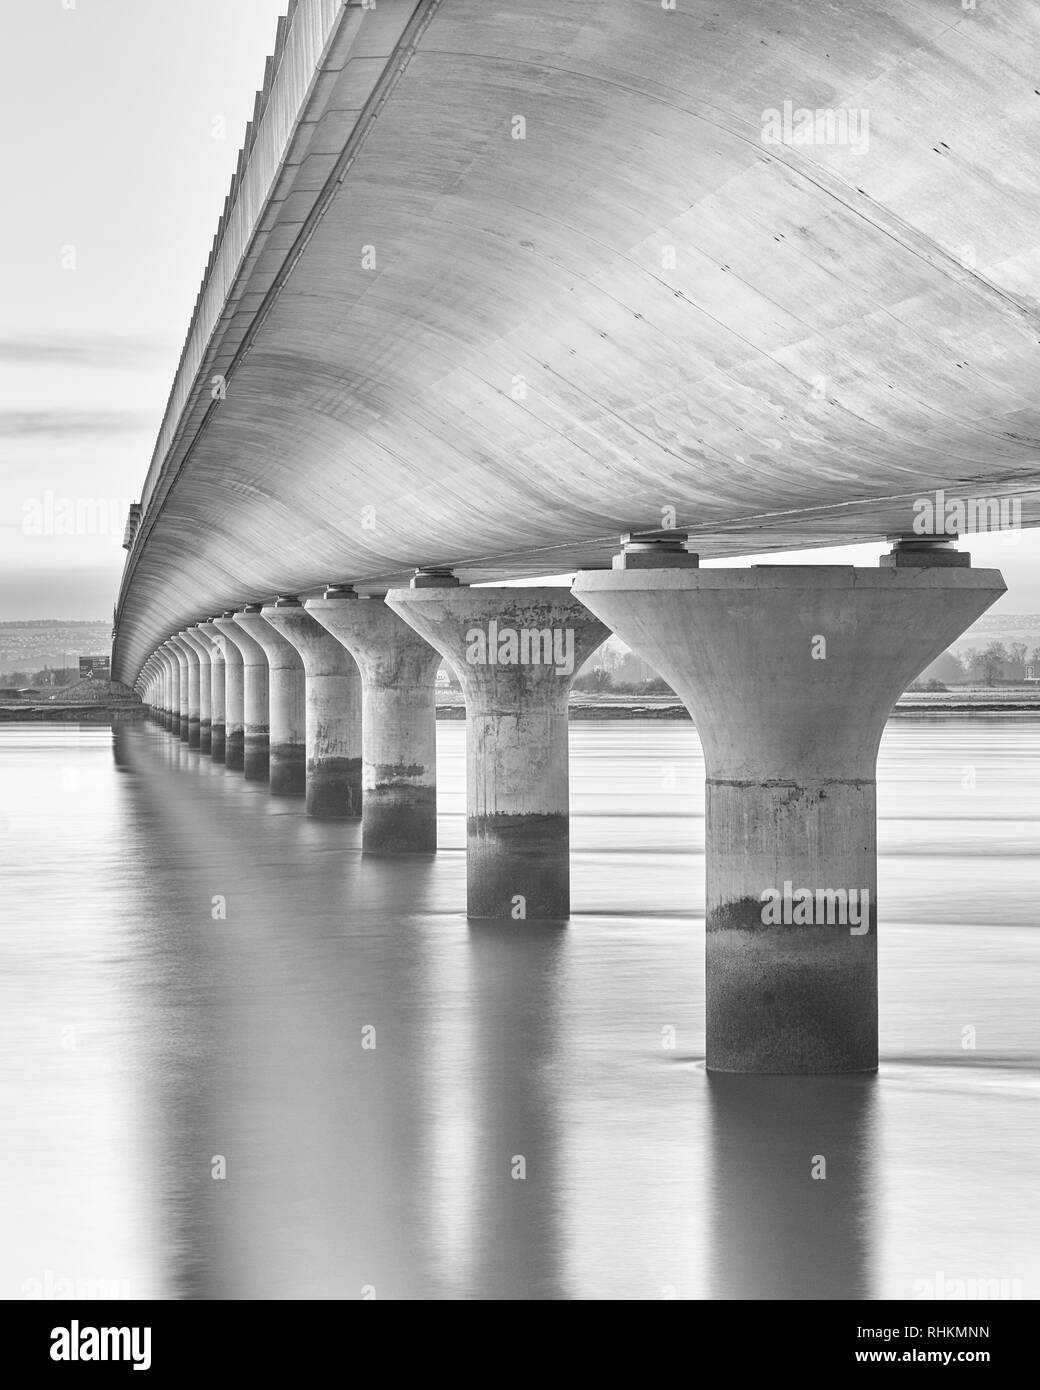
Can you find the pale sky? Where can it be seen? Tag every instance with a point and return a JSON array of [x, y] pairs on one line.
[[108, 112], [120, 124]]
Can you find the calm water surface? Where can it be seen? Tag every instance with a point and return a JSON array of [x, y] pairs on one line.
[[144, 1039]]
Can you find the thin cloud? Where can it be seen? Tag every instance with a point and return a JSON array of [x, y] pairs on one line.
[[98, 351], [63, 424]]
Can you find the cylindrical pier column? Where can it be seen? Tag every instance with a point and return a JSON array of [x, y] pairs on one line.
[[234, 695], [516, 652], [158, 688], [256, 756], [790, 673], [145, 686], [398, 670], [182, 650], [288, 702], [216, 644], [173, 666], [333, 711], [190, 677], [201, 650]]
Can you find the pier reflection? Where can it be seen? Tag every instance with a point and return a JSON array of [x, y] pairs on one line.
[[778, 1231]]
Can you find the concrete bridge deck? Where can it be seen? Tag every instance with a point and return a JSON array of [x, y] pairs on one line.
[[495, 283]]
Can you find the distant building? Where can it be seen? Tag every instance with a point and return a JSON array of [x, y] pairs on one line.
[[1033, 671]]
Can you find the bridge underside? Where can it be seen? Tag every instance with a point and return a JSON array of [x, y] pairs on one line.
[[496, 353]]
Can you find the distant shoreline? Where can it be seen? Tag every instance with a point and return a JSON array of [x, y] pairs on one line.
[[89, 714], [913, 704], [916, 702]]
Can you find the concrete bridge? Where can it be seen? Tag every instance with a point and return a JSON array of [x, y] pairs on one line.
[[497, 284]]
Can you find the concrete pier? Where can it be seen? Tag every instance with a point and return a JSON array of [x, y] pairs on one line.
[[288, 701], [333, 712], [164, 659], [256, 760], [398, 670], [192, 671], [155, 676], [516, 652], [201, 650], [215, 643], [184, 657], [234, 692], [146, 686], [173, 663], [790, 673]]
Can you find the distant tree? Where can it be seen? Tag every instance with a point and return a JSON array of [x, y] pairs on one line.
[[52, 676], [657, 685], [988, 664], [927, 685], [1016, 667], [16, 679], [948, 668], [594, 682]]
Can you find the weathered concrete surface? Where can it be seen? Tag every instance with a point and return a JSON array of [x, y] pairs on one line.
[[147, 687], [288, 704], [189, 660], [399, 721], [641, 305], [256, 699], [201, 650], [789, 673], [165, 713], [215, 643], [333, 712], [173, 663], [160, 690], [194, 690], [518, 819], [153, 691], [180, 723], [234, 693]]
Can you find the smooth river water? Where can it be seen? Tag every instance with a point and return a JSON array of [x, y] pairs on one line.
[[145, 1038]]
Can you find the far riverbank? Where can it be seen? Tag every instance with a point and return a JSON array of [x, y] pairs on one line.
[[450, 705]]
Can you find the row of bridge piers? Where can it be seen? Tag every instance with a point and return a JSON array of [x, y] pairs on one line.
[[788, 671]]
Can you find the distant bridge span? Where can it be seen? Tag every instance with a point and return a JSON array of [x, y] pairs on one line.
[[499, 279]]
